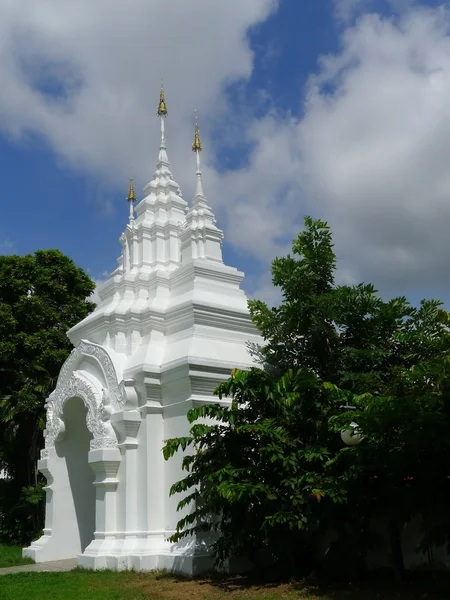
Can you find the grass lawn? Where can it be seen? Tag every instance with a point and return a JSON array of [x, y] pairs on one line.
[[11, 556], [106, 585]]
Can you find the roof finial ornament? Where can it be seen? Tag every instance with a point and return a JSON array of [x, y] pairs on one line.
[[163, 160], [131, 193], [162, 108], [131, 198], [197, 145]]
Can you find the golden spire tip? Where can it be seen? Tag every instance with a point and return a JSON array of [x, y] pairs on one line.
[[162, 108], [197, 145], [131, 193]]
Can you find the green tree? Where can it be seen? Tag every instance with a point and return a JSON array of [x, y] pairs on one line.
[[41, 297], [273, 468], [401, 470], [300, 333], [258, 472]]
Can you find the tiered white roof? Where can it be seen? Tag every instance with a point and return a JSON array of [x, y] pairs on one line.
[[200, 238], [171, 261]]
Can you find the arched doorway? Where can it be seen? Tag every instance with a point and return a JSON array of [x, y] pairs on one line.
[[74, 486]]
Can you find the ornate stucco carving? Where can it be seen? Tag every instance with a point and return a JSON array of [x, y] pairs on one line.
[[102, 443], [106, 408], [101, 355], [78, 387]]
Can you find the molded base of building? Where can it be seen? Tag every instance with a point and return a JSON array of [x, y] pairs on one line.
[[47, 549], [184, 564], [127, 554]]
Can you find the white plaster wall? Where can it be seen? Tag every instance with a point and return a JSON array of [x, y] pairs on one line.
[[151, 466], [175, 426]]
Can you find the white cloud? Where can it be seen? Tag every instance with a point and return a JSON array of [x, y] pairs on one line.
[[346, 9], [262, 288], [375, 149], [260, 200], [95, 297], [85, 76], [369, 154], [6, 246], [103, 61]]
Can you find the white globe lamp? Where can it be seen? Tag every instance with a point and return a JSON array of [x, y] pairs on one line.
[[352, 437]]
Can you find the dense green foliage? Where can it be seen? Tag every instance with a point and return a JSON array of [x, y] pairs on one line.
[[271, 473], [41, 297], [259, 472]]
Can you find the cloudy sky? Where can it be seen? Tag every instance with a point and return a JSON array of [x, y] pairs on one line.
[[339, 109]]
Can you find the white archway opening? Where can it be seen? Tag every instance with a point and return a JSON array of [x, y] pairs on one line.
[[74, 521]]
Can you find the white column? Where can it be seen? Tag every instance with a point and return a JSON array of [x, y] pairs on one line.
[[37, 548], [105, 464], [126, 424], [48, 488], [155, 500]]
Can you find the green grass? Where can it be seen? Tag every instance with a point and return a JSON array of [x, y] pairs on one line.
[[106, 585], [11, 556]]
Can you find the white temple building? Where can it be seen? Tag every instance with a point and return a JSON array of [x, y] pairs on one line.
[[171, 325]]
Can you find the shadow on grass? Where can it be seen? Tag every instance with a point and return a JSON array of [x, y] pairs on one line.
[[377, 586], [380, 585]]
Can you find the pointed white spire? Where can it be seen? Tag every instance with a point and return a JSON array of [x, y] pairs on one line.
[[199, 193], [200, 238], [158, 214], [162, 113], [197, 148], [162, 183]]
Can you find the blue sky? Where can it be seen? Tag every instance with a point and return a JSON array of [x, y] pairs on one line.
[[359, 138]]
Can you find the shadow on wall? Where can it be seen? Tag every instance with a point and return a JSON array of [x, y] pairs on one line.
[[74, 448]]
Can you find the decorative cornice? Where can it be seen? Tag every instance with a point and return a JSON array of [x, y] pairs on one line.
[[149, 206], [217, 316], [216, 272], [170, 320], [212, 316]]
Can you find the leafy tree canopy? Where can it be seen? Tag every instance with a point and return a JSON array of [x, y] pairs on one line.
[[273, 468], [41, 297]]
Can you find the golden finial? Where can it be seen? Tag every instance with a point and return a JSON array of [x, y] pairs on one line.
[[162, 108], [197, 145], [131, 193]]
